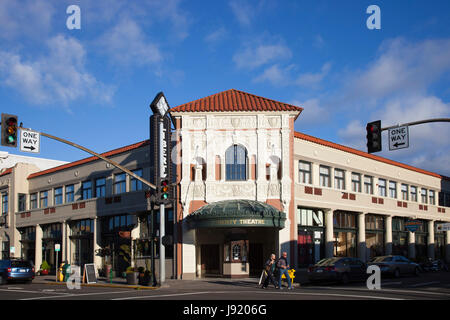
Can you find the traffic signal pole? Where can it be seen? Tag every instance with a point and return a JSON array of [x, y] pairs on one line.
[[115, 164], [417, 122]]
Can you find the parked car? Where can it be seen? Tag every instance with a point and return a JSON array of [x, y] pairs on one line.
[[434, 265], [340, 269], [16, 269], [395, 265]]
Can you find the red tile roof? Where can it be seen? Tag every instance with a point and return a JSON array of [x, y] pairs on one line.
[[234, 100], [364, 154], [90, 159], [7, 171]]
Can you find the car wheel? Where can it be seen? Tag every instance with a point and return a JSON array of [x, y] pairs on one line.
[[345, 279], [396, 273]]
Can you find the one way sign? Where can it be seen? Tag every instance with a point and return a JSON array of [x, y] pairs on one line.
[[30, 141], [398, 138]]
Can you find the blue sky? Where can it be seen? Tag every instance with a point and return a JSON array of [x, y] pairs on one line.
[[94, 85]]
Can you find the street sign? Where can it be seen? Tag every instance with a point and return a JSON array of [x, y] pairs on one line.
[[398, 138], [30, 141], [443, 227], [57, 247], [412, 225]]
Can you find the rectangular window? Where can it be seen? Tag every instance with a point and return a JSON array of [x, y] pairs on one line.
[[22, 202], [58, 196], [324, 173], [43, 203], [86, 190], [4, 203], [382, 187], [431, 196], [368, 184], [404, 192], [33, 201], [304, 172], [424, 195], [356, 182], [393, 189], [70, 195], [135, 184], [339, 179], [119, 183], [413, 193], [100, 188]]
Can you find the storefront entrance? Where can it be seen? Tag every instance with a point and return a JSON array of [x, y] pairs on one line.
[[256, 258], [210, 260]]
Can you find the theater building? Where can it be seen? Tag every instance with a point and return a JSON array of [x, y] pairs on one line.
[[247, 185]]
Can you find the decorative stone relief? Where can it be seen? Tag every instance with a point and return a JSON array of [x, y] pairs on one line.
[[225, 190]]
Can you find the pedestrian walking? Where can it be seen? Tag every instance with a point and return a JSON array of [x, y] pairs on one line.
[[269, 269], [283, 267]]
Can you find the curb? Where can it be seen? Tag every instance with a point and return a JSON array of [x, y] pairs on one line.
[[100, 285]]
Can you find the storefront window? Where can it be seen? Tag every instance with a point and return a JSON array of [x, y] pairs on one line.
[[374, 235], [311, 231], [421, 236], [439, 242], [345, 234]]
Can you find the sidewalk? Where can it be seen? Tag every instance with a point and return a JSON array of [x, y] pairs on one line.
[[101, 282], [300, 278]]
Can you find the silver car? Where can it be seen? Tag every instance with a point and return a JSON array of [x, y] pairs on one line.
[[395, 265]]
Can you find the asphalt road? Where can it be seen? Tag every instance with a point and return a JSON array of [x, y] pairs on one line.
[[429, 286]]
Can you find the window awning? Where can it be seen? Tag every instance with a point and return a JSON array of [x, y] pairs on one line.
[[236, 213]]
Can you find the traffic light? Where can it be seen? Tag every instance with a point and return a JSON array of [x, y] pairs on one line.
[[164, 193], [9, 130], [374, 136]]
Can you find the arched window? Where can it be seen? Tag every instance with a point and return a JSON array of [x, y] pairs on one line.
[[236, 163]]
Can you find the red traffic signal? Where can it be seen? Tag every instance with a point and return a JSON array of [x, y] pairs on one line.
[[373, 136]]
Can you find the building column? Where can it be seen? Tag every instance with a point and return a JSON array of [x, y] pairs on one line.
[[447, 246], [64, 240], [97, 241], [329, 234], [38, 248], [388, 235], [134, 235], [362, 236], [431, 239], [411, 245]]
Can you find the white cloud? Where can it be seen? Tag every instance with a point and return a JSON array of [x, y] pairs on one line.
[[354, 135], [216, 35], [30, 18], [314, 112], [126, 44], [255, 56], [276, 75], [243, 11], [313, 79], [402, 67], [58, 77]]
